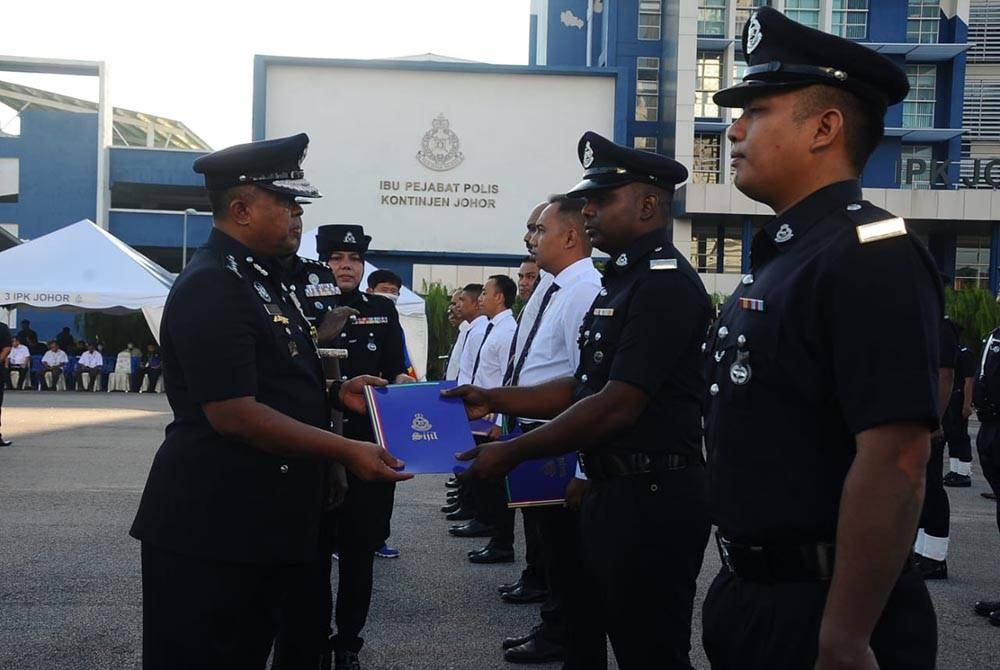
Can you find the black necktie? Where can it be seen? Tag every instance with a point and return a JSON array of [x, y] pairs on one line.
[[515, 376], [480, 352], [509, 369]]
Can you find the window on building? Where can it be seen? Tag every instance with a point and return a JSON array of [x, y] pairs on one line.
[[984, 31], [712, 18], [742, 13], [647, 88], [972, 261], [918, 108], [649, 19], [923, 19], [915, 161], [716, 247], [648, 143], [708, 80], [805, 12], [707, 168], [850, 19], [739, 68]]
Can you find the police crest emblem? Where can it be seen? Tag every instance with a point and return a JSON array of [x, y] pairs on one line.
[[262, 292], [422, 428], [349, 238], [440, 147], [754, 34], [588, 155]]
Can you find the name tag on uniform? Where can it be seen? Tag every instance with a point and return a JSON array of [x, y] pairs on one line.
[[604, 311], [370, 320], [663, 264], [752, 304], [273, 309], [320, 290]]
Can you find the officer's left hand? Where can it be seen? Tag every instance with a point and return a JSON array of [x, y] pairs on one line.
[[491, 461], [405, 379], [352, 392], [846, 657]]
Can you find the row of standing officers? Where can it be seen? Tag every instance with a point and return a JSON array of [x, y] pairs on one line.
[[817, 434]]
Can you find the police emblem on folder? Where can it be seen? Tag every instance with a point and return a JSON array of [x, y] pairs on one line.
[[541, 481], [418, 426]]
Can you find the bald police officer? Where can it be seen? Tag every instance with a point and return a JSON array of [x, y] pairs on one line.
[[229, 519], [816, 468], [633, 408]]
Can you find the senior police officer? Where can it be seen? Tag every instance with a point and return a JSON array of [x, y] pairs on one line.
[[374, 341], [633, 408], [230, 515], [816, 467]]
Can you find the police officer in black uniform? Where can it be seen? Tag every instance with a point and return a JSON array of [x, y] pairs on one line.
[[818, 432], [5, 345], [374, 342], [986, 398], [230, 516], [633, 409], [956, 420]]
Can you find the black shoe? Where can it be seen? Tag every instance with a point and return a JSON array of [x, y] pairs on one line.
[[987, 607], [493, 555], [525, 595], [452, 483], [995, 618], [958, 481], [5, 443], [473, 552], [535, 650], [346, 660], [989, 495], [511, 642], [451, 508], [931, 569], [451, 500], [461, 514], [472, 529], [507, 588]]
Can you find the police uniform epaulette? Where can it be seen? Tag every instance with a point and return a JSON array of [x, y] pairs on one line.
[[310, 261], [662, 263], [874, 223]]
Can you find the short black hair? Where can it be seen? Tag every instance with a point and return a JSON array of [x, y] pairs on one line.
[[220, 200], [863, 125], [567, 203], [507, 287], [384, 277], [528, 259], [473, 288]]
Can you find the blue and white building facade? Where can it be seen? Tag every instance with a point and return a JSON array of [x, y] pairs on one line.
[[677, 54]]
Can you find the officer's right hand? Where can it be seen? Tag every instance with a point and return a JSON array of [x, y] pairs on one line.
[[477, 403], [352, 392], [370, 462], [333, 322]]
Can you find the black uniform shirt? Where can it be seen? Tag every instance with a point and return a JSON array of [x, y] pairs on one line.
[[948, 353], [826, 338], [986, 392], [230, 330], [644, 329], [374, 343], [965, 367], [314, 286]]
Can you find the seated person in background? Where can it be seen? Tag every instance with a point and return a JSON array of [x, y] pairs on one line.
[[53, 363], [148, 366], [19, 359], [92, 363]]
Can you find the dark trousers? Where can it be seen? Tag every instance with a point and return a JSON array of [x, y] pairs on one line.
[[203, 614], [534, 569], [757, 626], [490, 500], [988, 446], [152, 373], [361, 527], [643, 539], [935, 516], [956, 430]]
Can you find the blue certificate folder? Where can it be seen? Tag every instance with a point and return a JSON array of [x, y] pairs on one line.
[[417, 425], [541, 481]]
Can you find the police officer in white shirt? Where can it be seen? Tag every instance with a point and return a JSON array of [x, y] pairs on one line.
[[495, 303], [548, 348], [19, 359], [53, 363], [455, 318], [92, 363], [469, 305]]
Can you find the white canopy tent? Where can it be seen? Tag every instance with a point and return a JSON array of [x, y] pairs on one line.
[[82, 267]]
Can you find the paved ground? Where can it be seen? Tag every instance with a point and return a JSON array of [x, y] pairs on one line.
[[69, 574]]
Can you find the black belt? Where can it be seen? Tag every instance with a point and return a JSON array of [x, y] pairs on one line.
[[785, 563], [602, 466]]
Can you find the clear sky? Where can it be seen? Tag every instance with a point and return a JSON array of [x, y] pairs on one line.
[[193, 61]]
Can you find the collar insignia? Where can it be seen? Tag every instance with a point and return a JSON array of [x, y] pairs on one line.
[[622, 261], [262, 292], [784, 234]]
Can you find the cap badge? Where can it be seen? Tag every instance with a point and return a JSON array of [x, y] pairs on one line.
[[754, 34], [588, 155], [784, 234], [622, 261], [262, 292], [349, 238]]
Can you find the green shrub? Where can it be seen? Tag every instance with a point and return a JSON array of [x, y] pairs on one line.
[[440, 334], [976, 311]]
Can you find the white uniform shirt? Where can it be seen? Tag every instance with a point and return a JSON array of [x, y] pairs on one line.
[[19, 355], [455, 358], [472, 342], [493, 354], [91, 359], [54, 358]]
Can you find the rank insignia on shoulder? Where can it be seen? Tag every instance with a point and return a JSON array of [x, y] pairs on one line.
[[604, 311], [663, 264], [370, 320], [320, 290], [752, 304], [881, 230]]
